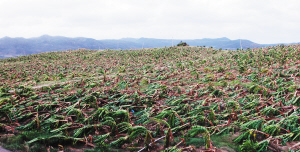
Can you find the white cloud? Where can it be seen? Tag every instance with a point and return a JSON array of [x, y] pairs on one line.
[[267, 21]]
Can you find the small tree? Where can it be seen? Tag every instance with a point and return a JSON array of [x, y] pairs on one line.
[[182, 44]]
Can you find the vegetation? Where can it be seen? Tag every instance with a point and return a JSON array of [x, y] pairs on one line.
[[160, 99], [182, 44]]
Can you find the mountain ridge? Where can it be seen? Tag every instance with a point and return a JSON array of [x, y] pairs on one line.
[[12, 47]]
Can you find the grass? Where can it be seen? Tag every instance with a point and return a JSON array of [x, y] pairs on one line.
[[225, 141], [14, 143]]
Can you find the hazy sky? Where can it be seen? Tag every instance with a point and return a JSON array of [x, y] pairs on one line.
[[261, 21]]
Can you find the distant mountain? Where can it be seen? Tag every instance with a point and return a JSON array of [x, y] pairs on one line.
[[217, 43], [21, 46], [11, 47]]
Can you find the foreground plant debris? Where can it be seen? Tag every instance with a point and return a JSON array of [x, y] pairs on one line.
[[151, 99]]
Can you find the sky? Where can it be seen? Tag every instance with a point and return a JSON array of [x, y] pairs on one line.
[[261, 21]]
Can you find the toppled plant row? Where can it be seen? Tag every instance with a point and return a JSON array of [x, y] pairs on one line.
[[128, 99]]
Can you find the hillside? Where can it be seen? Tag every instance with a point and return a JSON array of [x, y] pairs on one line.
[[156, 99], [11, 47]]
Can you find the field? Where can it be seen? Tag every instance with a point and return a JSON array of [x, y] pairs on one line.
[[161, 99]]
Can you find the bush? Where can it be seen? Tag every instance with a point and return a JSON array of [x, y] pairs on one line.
[[182, 44]]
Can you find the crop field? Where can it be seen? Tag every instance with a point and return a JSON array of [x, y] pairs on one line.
[[160, 99]]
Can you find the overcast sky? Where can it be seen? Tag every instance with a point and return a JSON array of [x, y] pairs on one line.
[[261, 21]]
